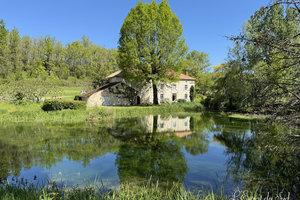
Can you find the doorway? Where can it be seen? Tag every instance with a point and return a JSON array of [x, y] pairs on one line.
[[174, 97], [138, 100]]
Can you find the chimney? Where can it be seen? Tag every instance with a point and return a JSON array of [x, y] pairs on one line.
[[186, 73]]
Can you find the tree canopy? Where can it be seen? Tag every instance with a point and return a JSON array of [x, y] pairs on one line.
[[151, 45], [262, 72], [45, 57]]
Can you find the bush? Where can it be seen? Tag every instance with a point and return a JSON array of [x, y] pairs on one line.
[[58, 104], [191, 107], [165, 101], [192, 93], [77, 98], [181, 101]]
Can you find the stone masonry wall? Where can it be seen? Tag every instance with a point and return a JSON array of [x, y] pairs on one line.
[[117, 95]]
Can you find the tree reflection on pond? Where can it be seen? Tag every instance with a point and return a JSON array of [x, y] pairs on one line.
[[164, 148], [266, 157], [152, 146]]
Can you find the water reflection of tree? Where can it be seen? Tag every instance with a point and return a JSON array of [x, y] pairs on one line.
[[198, 142], [158, 159], [12, 159], [153, 154], [27, 145], [268, 159], [143, 155], [157, 155]]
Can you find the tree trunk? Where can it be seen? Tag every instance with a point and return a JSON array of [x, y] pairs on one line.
[[155, 124], [155, 98]]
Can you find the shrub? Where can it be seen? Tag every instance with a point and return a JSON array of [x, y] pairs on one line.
[[165, 101], [58, 104], [192, 107], [77, 98], [192, 93], [181, 101]]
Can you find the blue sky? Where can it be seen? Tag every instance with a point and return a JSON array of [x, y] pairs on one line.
[[205, 23]]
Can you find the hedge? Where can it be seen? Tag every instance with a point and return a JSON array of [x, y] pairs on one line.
[[58, 104], [181, 100]]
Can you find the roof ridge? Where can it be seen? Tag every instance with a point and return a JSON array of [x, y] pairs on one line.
[[100, 88]]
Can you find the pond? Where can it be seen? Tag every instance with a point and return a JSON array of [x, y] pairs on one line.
[[199, 151]]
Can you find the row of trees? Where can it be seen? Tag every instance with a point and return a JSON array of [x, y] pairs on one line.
[[263, 69], [45, 56], [164, 51]]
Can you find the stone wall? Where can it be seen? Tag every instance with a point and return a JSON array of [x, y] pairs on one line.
[[121, 96], [166, 91], [146, 95], [180, 88], [117, 95]]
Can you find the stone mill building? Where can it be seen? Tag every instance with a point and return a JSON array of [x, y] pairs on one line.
[[118, 92]]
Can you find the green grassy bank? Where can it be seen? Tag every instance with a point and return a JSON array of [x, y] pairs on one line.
[[125, 191], [29, 112]]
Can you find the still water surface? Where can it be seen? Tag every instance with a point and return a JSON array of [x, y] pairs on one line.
[[202, 151]]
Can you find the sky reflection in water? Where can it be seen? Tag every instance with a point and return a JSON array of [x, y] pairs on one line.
[[198, 151]]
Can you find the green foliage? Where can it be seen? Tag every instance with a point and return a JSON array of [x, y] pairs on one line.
[[192, 93], [26, 90], [56, 104], [46, 57], [191, 107], [268, 155], [231, 86], [127, 191], [104, 62], [181, 101], [14, 51], [151, 45], [32, 112], [262, 72], [4, 69], [165, 101], [196, 64]]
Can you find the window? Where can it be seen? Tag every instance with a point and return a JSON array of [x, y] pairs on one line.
[[186, 123], [186, 96], [161, 125], [161, 96], [185, 87], [174, 86], [174, 124], [161, 87]]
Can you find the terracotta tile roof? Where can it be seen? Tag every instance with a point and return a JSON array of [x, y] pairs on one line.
[[181, 76], [186, 77], [99, 89]]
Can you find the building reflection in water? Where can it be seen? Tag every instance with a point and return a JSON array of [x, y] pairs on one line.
[[179, 125]]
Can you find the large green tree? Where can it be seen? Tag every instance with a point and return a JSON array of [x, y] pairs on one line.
[[262, 72], [271, 58], [26, 52], [151, 45], [197, 64], [47, 53], [14, 50], [3, 50]]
